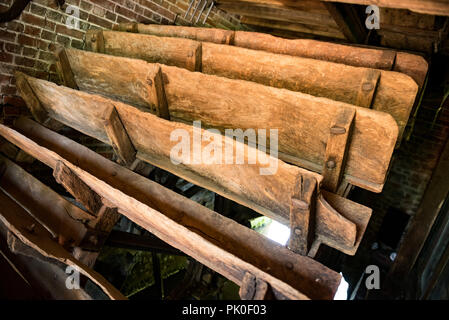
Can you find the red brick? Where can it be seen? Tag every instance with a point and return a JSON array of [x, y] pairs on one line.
[[8, 90], [10, 111], [29, 52], [47, 35], [99, 21], [125, 12], [6, 57], [12, 47], [5, 79], [33, 31], [47, 56], [160, 10], [33, 20], [111, 16], [69, 32], [7, 35], [27, 41], [121, 19], [15, 26], [24, 61], [86, 5], [104, 3], [15, 101], [38, 10]]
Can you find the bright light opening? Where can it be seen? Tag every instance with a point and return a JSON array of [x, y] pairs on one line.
[[342, 291], [271, 229]]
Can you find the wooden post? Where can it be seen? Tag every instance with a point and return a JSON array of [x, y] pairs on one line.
[[367, 88], [64, 69], [253, 288], [337, 149]]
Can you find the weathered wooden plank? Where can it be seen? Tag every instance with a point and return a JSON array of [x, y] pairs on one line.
[[242, 243], [291, 26], [188, 55], [358, 56], [118, 137], [422, 222], [395, 93], [302, 215], [34, 235], [435, 7], [63, 219], [370, 149], [337, 149], [178, 208]]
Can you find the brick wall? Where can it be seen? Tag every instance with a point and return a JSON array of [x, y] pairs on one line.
[[26, 44]]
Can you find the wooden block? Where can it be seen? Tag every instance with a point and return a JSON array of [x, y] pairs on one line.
[[64, 70], [36, 109], [194, 59], [95, 41], [253, 288], [302, 215], [157, 93], [118, 136], [81, 191], [367, 88], [336, 149]]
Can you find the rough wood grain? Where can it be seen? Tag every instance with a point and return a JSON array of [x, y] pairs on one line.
[[394, 94], [34, 235], [60, 217], [118, 136], [234, 107], [190, 213], [301, 272], [358, 56]]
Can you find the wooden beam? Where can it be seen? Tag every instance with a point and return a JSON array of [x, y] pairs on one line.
[[175, 206], [34, 235], [422, 222], [187, 104], [64, 70], [348, 22], [304, 270], [158, 97], [434, 7], [358, 56]]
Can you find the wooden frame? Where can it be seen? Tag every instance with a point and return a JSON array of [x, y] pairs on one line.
[[216, 241]]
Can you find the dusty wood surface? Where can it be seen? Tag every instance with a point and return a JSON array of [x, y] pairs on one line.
[[267, 194], [302, 272], [189, 95], [360, 56], [34, 235], [118, 137], [60, 217], [380, 90], [191, 213]]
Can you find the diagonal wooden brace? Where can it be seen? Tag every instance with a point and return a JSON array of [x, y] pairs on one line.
[[337, 149], [303, 214], [118, 137], [158, 99], [64, 70], [253, 288], [367, 88]]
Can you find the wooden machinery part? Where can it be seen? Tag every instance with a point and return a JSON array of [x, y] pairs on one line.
[[218, 242], [268, 194], [381, 90], [412, 65], [303, 122]]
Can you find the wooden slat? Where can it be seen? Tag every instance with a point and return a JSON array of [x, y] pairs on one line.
[[34, 235], [243, 242], [279, 109], [118, 136], [64, 69], [157, 96], [302, 215], [358, 56], [337, 149]]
